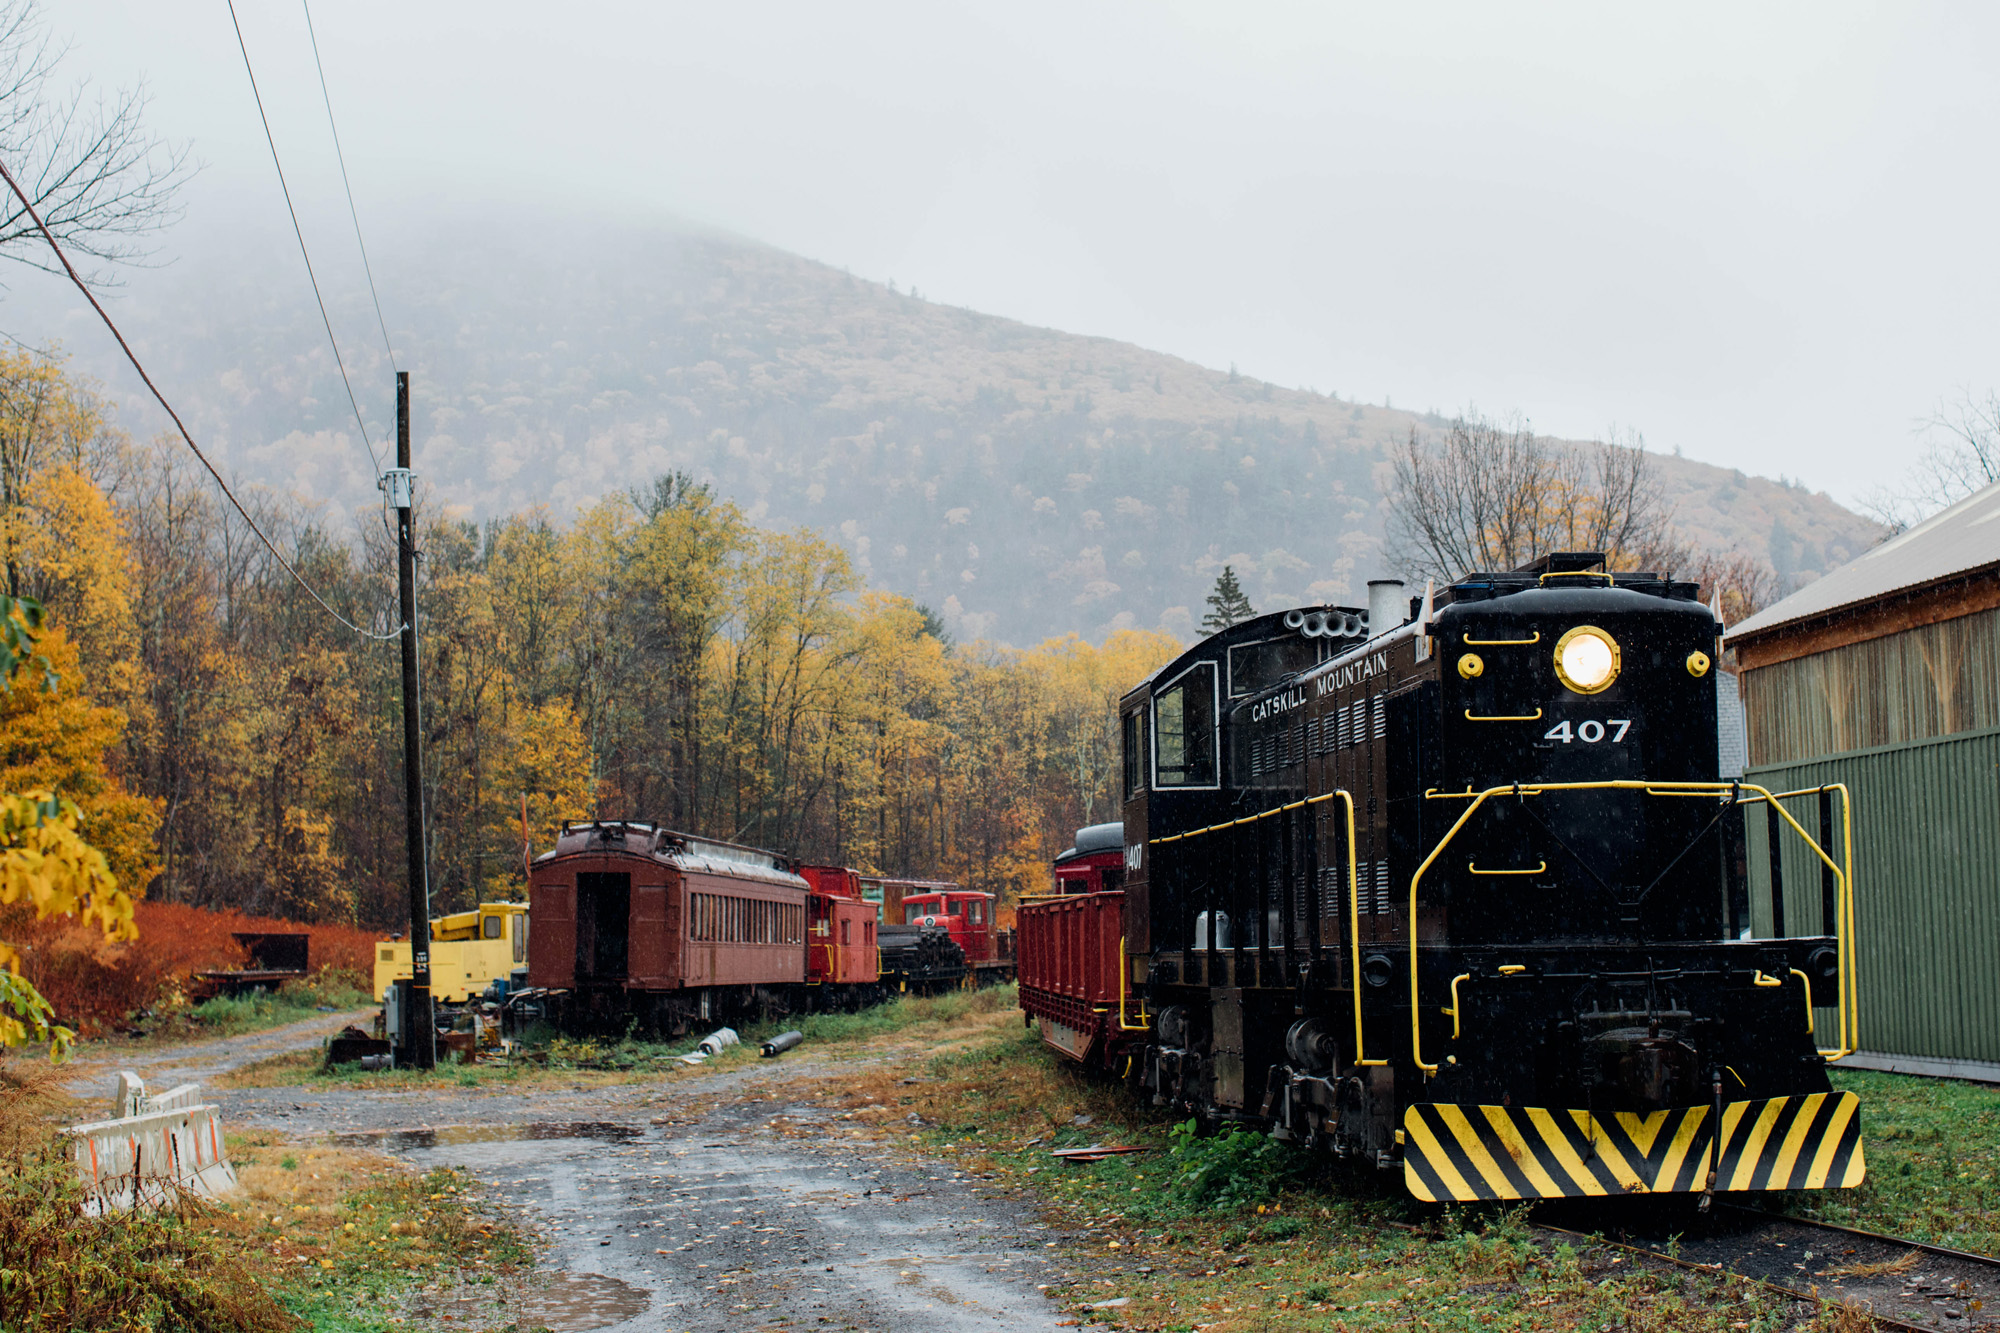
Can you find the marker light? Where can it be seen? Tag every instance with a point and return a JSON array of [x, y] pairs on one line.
[[1698, 664], [1586, 659], [1470, 665]]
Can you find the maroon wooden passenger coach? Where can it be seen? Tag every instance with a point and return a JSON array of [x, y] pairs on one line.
[[631, 919]]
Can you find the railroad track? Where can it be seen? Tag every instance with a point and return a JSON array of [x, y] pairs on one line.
[[1902, 1284]]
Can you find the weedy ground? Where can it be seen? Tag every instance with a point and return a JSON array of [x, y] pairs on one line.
[[178, 1019], [319, 1238], [548, 1061], [1234, 1233], [1933, 1149]]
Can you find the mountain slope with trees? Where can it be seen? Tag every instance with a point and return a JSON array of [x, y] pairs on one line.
[[1022, 482]]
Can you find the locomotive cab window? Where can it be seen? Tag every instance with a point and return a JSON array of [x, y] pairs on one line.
[[1255, 666], [492, 927], [1135, 752], [1184, 730]]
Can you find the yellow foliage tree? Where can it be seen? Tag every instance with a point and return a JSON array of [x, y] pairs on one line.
[[44, 861], [548, 765], [56, 740]]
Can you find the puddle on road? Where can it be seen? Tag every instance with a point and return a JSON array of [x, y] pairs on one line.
[[403, 1140], [559, 1302]]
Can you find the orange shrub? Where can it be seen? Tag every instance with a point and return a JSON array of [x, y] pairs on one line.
[[93, 983]]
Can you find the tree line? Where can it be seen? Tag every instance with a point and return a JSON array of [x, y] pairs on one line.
[[654, 656]]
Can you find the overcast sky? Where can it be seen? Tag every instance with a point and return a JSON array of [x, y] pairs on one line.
[[1761, 234]]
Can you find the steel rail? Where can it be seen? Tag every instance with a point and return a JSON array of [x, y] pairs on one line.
[[1717, 1269], [1942, 1251]]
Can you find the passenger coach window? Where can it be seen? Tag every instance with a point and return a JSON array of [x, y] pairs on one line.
[[1135, 752], [1184, 729]]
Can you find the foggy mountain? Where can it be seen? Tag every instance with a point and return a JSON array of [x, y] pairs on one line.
[[1021, 481]]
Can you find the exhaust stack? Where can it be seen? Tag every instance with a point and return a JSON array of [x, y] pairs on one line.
[[1388, 607]]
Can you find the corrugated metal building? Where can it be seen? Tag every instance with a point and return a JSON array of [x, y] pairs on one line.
[[1885, 675]]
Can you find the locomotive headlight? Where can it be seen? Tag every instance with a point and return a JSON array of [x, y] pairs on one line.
[[1586, 659]]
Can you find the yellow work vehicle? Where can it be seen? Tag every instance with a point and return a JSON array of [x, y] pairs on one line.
[[469, 952]]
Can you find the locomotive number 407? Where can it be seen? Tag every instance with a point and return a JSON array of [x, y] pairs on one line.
[[1591, 732]]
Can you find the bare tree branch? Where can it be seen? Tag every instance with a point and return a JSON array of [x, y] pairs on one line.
[[1494, 497], [1963, 456], [99, 179]]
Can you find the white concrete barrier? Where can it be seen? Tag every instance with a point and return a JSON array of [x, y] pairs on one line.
[[159, 1149]]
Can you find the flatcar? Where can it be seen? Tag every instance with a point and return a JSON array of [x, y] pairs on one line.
[[1452, 887], [637, 924]]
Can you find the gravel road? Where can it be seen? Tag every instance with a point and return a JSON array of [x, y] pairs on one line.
[[203, 1061], [694, 1202]]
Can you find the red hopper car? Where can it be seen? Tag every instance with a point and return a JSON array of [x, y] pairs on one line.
[[1072, 958]]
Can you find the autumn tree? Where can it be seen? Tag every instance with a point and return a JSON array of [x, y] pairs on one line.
[[1227, 604], [46, 867]]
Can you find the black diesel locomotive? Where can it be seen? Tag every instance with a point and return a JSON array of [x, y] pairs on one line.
[[1466, 897]]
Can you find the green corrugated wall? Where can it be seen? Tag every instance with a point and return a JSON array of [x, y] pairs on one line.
[[1927, 889]]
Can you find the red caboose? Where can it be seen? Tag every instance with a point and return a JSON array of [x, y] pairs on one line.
[[840, 936], [1096, 863], [632, 920], [1074, 982]]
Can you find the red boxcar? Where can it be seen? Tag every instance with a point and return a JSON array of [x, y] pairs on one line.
[[632, 919], [840, 933], [1073, 964]]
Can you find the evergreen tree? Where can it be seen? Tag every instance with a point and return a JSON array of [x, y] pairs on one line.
[[1226, 605]]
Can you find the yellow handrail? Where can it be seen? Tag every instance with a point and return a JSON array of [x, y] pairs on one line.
[[1849, 1008], [1806, 982], [1145, 1023], [1535, 716], [1453, 1011], [1354, 929], [1495, 643], [1844, 943], [1472, 868]]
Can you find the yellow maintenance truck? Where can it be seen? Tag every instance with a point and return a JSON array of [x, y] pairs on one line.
[[469, 952]]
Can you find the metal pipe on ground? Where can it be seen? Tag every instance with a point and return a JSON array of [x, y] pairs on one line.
[[784, 1041]]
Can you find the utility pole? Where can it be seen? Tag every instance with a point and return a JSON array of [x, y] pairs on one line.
[[418, 1037]]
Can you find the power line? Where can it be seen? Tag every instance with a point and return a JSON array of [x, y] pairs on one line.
[[160, 398], [299, 232], [341, 157]]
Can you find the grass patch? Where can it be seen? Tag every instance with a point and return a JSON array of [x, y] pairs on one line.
[[181, 1020], [1933, 1149], [304, 1244]]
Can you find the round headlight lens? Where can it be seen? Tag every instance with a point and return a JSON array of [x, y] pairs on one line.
[[1586, 659]]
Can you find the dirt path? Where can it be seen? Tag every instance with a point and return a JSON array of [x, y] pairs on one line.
[[204, 1061]]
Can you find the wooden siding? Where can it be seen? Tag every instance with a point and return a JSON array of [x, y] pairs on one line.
[[1926, 890], [1923, 683]]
